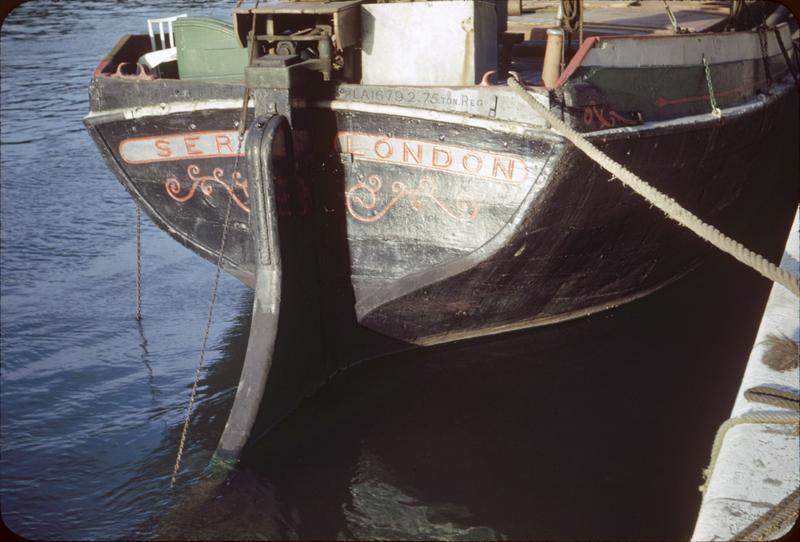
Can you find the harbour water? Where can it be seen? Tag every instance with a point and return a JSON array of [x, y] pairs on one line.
[[593, 429]]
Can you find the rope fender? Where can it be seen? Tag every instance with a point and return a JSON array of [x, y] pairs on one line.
[[664, 203]]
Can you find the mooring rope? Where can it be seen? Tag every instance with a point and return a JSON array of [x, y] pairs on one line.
[[786, 511], [774, 396], [661, 201], [776, 518], [767, 395], [771, 417]]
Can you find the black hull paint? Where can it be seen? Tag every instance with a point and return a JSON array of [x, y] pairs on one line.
[[187, 198], [587, 243], [417, 216], [425, 229]]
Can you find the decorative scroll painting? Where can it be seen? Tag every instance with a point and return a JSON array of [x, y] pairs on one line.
[[197, 180], [362, 200], [373, 198], [600, 116], [180, 193]]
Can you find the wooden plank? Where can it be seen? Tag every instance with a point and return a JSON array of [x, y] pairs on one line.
[[307, 8], [620, 19]]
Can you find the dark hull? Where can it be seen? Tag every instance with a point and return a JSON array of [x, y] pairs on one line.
[[185, 195], [370, 219], [584, 243], [428, 229]]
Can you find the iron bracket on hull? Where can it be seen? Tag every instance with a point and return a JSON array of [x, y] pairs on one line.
[[268, 148], [274, 80]]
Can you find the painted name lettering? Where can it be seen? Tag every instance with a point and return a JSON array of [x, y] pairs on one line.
[[144, 150], [504, 168], [454, 100]]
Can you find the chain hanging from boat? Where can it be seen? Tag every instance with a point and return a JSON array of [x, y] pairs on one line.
[[762, 40], [716, 111], [660, 200], [217, 272], [138, 263], [204, 345]]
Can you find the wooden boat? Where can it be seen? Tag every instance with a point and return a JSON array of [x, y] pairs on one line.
[[383, 197]]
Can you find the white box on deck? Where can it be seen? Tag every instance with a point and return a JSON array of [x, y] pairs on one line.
[[428, 43]]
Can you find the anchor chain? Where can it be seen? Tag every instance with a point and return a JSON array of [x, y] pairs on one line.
[[762, 41], [716, 111], [661, 201], [206, 333], [209, 316], [138, 263], [242, 126]]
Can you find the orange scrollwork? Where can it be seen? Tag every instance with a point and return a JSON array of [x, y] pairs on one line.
[[594, 112], [206, 185], [362, 199]]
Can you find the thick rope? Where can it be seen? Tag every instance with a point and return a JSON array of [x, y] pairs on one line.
[[774, 397], [775, 519], [663, 202], [779, 515], [778, 418]]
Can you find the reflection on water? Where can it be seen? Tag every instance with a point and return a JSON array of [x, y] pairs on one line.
[[593, 429], [88, 414], [379, 509]]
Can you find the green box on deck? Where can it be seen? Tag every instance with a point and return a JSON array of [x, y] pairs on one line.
[[208, 50]]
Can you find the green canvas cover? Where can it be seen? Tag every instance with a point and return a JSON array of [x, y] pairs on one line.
[[208, 49]]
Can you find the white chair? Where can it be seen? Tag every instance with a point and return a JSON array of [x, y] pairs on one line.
[[167, 50], [163, 22]]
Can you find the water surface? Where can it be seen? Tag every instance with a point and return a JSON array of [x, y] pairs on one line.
[[593, 429]]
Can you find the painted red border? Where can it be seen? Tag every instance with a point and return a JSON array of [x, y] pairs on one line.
[[171, 159]]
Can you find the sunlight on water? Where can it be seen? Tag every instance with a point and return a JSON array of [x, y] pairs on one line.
[[594, 429], [85, 408]]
